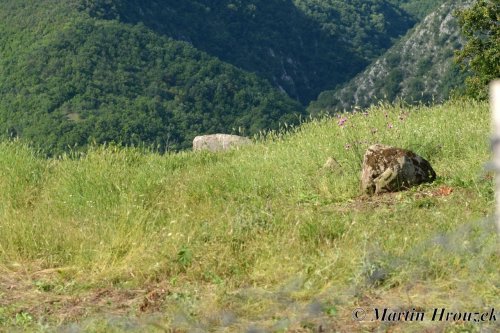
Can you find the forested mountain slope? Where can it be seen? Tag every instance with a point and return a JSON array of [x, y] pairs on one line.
[[158, 73], [301, 46], [418, 8], [419, 68], [69, 80]]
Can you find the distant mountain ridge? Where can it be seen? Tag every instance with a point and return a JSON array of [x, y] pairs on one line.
[[418, 68]]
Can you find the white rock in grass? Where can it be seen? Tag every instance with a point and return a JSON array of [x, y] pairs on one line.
[[390, 169], [218, 142]]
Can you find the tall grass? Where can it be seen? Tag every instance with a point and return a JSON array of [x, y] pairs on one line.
[[263, 216]]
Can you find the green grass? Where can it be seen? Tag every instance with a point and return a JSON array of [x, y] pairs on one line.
[[265, 237]]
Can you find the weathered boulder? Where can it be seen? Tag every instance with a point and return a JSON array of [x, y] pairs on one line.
[[390, 169], [218, 142]]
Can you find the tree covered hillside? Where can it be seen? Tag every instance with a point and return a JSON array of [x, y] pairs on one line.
[[160, 72], [301, 46], [419, 68], [419, 8], [68, 79]]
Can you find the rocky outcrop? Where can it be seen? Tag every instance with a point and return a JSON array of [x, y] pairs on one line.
[[218, 142], [418, 68], [390, 169]]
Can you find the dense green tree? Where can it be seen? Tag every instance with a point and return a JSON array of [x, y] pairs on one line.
[[106, 9], [480, 57]]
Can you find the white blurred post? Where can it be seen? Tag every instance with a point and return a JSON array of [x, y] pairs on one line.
[[495, 110]]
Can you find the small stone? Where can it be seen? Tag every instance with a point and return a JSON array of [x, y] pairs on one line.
[[332, 165]]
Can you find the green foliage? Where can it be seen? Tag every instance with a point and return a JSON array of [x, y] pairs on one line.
[[97, 81], [302, 46], [481, 54], [369, 27], [419, 8], [157, 73], [184, 256], [106, 9]]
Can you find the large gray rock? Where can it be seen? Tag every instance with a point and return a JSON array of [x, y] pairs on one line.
[[390, 169], [218, 142]]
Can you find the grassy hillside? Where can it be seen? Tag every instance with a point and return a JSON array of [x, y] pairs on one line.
[[419, 68], [259, 238]]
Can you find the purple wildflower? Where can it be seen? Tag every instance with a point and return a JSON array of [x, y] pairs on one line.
[[342, 121]]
